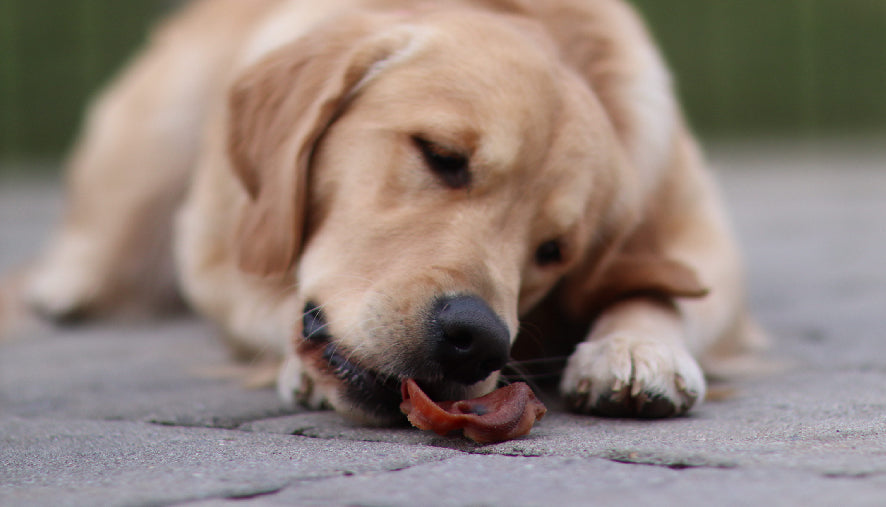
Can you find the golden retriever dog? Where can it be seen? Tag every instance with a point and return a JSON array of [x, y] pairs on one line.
[[375, 190]]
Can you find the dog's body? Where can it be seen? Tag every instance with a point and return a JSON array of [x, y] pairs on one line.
[[383, 189]]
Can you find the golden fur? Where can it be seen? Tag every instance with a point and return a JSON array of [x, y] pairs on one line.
[[283, 133]]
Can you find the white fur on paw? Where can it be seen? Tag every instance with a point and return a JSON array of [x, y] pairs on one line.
[[65, 282], [295, 386], [58, 293], [626, 375]]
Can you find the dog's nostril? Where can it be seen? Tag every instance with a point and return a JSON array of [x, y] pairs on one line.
[[314, 325], [461, 340], [469, 340]]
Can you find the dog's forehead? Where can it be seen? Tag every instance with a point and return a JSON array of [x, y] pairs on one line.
[[504, 104]]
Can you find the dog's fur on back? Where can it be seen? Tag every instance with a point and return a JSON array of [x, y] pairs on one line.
[[334, 177]]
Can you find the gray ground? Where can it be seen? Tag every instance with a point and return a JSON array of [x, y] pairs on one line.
[[109, 415]]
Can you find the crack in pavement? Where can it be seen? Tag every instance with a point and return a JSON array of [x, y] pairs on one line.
[[691, 462], [256, 494], [224, 423]]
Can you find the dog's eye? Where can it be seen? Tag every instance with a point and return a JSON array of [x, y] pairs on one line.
[[450, 166], [549, 253]]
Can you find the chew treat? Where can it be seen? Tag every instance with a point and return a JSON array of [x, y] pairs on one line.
[[506, 413]]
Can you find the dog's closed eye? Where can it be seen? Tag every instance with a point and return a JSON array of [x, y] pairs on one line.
[[450, 166]]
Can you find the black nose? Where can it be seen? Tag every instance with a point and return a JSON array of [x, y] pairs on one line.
[[469, 340]]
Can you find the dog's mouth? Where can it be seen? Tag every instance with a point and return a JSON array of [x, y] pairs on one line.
[[370, 390], [376, 393]]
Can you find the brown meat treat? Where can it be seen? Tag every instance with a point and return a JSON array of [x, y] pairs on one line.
[[506, 413]]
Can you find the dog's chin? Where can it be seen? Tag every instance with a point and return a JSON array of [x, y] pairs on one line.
[[369, 396]]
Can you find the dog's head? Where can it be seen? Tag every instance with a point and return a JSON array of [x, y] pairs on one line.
[[428, 178]]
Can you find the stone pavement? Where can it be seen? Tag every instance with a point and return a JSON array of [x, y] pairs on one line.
[[105, 414]]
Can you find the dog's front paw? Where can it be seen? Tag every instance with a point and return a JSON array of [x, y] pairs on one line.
[[66, 284], [295, 386], [632, 376], [59, 294]]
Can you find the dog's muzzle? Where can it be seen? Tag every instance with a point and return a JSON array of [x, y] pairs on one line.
[[464, 343]]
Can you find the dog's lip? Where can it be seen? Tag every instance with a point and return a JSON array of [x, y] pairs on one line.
[[377, 391], [373, 392], [372, 385]]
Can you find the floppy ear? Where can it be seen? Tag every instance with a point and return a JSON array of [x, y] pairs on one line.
[[626, 274], [631, 275], [278, 110], [648, 274]]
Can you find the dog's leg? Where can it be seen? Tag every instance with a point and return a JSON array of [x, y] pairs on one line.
[[126, 178], [641, 356]]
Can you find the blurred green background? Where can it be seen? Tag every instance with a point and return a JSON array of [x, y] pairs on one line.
[[744, 68]]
